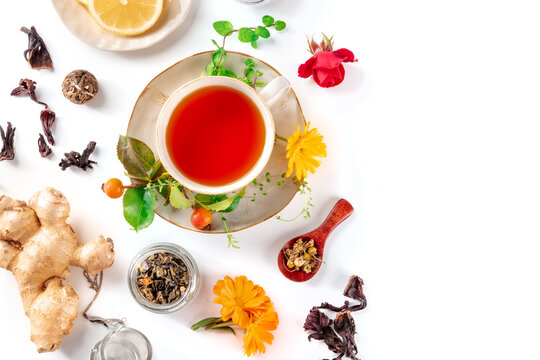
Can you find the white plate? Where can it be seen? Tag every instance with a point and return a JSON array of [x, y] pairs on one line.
[[81, 24], [287, 117]]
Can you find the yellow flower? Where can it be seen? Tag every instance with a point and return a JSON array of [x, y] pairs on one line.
[[240, 298], [303, 151], [258, 332]]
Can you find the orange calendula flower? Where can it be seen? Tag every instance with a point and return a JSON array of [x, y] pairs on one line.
[[258, 332], [303, 151], [240, 298]]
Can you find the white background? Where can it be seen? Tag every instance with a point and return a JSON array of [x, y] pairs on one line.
[[433, 137]]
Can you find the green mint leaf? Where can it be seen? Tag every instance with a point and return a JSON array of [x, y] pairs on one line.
[[262, 32], [260, 84], [247, 35], [210, 69], [178, 199], [254, 44], [228, 73], [260, 73], [249, 73], [139, 207], [215, 43], [137, 158], [268, 20], [250, 62], [218, 57], [223, 27], [280, 25]]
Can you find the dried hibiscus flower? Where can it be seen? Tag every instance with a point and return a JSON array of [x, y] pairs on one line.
[[338, 334], [37, 55], [76, 159], [7, 152], [27, 87], [44, 149], [326, 63], [48, 117]]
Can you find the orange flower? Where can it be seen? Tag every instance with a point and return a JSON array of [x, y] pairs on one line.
[[240, 298], [258, 332]]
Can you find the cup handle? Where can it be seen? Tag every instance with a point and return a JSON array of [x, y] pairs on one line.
[[275, 90]]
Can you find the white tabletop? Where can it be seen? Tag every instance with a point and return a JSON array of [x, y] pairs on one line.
[[433, 137]]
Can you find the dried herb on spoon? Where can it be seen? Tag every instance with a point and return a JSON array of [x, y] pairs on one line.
[[36, 55], [338, 334], [7, 152]]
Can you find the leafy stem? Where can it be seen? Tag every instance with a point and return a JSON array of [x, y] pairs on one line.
[[281, 138]]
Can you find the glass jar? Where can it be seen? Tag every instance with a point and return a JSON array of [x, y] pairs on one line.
[[122, 343], [193, 275]]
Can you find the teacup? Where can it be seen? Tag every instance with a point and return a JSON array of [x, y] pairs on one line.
[[177, 106]]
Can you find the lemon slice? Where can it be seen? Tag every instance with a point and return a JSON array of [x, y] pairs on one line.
[[84, 2], [125, 17]]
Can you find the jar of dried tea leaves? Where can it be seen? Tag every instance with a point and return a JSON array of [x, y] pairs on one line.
[[163, 278]]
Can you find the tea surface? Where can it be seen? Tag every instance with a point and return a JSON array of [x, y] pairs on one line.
[[215, 135]]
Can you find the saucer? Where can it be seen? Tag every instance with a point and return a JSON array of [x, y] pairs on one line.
[[81, 24], [287, 116]]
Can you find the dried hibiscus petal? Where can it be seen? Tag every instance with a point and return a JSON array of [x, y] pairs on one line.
[[37, 55], [44, 149], [354, 290], [344, 326], [74, 158], [48, 117], [27, 87], [320, 325], [7, 152]]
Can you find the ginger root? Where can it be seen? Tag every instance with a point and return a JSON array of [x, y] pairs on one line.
[[37, 246]]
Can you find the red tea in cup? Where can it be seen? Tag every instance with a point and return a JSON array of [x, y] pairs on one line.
[[215, 135]]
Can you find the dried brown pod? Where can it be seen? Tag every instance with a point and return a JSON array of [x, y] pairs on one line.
[[7, 152], [36, 55], [74, 158], [44, 149], [80, 86]]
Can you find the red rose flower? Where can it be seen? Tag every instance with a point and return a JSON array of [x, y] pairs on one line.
[[326, 64]]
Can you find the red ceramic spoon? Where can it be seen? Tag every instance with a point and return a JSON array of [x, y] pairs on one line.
[[342, 210]]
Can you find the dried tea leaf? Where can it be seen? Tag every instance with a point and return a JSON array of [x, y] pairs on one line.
[[36, 55], [44, 149], [47, 118], [7, 152]]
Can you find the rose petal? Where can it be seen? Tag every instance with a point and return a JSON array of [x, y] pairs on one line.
[[329, 77], [345, 54], [306, 69], [327, 60]]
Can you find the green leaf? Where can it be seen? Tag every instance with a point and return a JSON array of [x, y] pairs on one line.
[[205, 322], [249, 73], [262, 32], [157, 170], [223, 27], [210, 199], [210, 69], [226, 328], [268, 20], [233, 205], [215, 43], [250, 62], [137, 158], [280, 25], [218, 57], [247, 35], [225, 204], [260, 84], [254, 44], [178, 199], [139, 207], [225, 72]]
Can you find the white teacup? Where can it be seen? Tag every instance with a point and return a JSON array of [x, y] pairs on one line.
[[270, 94]]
